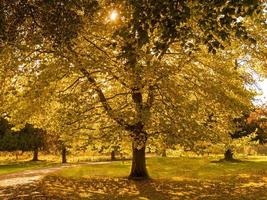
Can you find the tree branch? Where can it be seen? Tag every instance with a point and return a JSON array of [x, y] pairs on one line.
[[104, 100], [73, 84]]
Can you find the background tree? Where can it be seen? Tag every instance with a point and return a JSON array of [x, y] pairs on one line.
[[31, 139], [248, 124], [8, 138], [5, 127]]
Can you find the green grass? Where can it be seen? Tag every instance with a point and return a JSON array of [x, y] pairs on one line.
[[173, 168], [12, 167]]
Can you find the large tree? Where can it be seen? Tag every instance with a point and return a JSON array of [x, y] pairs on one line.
[[150, 65]]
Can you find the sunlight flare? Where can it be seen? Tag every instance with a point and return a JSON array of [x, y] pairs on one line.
[[114, 15]]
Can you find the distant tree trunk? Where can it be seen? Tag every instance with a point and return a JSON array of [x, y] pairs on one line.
[[35, 154], [228, 155], [163, 153], [113, 155], [138, 170], [64, 154]]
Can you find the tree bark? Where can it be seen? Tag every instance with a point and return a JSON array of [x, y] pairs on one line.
[[35, 155], [64, 154], [113, 155], [228, 155], [138, 170]]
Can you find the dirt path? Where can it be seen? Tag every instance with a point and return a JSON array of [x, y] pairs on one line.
[[29, 176]]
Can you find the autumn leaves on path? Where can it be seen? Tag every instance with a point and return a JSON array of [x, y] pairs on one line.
[[27, 176]]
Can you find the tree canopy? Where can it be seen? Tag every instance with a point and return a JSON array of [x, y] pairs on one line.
[[155, 68]]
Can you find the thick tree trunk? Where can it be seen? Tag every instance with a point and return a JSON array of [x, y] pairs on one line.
[[35, 155], [228, 155], [64, 154], [138, 170], [113, 155]]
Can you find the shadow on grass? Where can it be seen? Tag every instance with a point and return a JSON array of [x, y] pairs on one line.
[[227, 161], [53, 187]]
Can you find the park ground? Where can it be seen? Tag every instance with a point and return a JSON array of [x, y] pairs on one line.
[[171, 178]]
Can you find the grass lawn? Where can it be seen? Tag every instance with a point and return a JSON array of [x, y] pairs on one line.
[[172, 178], [11, 167], [173, 168]]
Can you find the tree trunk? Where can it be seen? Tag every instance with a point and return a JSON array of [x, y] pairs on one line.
[[228, 155], [138, 170], [163, 153], [35, 155], [64, 154], [17, 155], [113, 155]]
